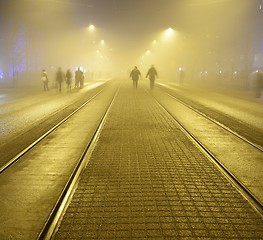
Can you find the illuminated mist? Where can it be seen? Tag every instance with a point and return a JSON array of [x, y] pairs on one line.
[[212, 41]]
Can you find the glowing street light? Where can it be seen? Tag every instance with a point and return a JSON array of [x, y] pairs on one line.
[[148, 52], [169, 32], [102, 43], [91, 27]]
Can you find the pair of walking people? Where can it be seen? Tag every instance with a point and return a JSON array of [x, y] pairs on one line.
[[136, 74], [60, 78]]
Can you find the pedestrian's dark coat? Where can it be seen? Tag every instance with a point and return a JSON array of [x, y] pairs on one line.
[[79, 75], [60, 76], [135, 74], [68, 77], [152, 73]]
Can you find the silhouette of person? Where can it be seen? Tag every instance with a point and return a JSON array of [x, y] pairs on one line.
[[59, 78], [79, 79], [69, 79], [135, 75], [44, 79], [152, 74]]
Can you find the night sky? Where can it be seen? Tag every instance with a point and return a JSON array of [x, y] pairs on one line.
[[58, 28]]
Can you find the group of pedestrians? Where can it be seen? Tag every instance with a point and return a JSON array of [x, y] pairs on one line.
[[135, 75], [79, 78], [61, 77]]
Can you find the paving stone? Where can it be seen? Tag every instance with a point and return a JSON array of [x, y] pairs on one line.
[[147, 180]]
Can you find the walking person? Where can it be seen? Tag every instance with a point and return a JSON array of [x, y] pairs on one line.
[[69, 79], [79, 79], [76, 79], [44, 79], [152, 74], [135, 75], [59, 78]]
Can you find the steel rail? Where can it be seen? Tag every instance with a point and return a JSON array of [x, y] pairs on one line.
[[260, 148], [235, 182], [61, 205], [19, 155]]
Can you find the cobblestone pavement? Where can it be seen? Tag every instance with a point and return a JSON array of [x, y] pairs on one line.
[[147, 180]]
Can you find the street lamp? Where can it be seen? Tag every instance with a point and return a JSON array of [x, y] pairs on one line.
[[169, 32], [91, 27], [148, 52]]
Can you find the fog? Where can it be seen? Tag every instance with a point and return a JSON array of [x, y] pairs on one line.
[[211, 40]]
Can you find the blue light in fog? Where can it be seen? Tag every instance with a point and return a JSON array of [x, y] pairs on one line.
[[10, 71], [19, 53], [1, 74]]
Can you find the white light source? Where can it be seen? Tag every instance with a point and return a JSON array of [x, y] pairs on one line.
[[169, 31], [91, 27]]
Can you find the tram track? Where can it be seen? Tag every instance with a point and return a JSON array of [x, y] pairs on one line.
[[236, 126], [242, 188], [16, 158], [61, 201], [24, 141], [59, 208], [49, 166], [213, 120]]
